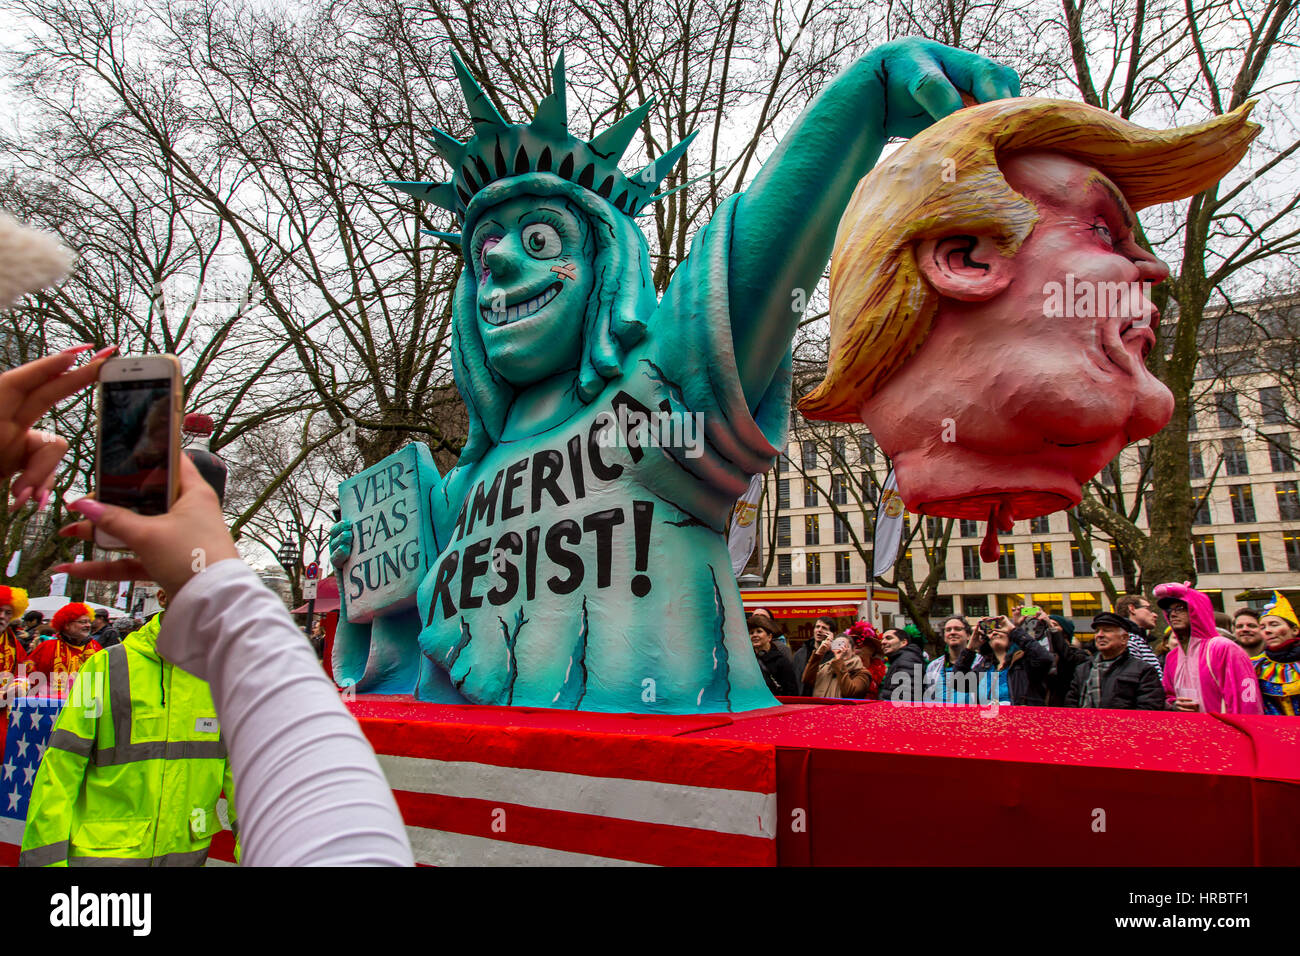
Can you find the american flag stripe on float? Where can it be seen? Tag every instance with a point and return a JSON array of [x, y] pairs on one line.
[[474, 795]]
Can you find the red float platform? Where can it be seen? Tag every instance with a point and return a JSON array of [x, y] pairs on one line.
[[814, 782]]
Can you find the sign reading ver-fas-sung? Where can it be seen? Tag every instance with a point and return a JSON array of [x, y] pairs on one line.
[[392, 532]]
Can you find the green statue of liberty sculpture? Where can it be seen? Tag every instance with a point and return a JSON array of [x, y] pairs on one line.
[[574, 556]]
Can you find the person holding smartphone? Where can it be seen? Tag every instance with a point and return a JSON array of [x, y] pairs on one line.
[[1013, 667], [310, 788], [836, 670]]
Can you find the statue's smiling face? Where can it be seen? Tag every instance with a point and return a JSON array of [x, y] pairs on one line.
[[532, 257]]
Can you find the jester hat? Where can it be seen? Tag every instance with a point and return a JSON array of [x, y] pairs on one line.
[[1281, 607]]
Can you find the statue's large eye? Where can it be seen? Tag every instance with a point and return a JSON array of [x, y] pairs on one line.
[[541, 241]]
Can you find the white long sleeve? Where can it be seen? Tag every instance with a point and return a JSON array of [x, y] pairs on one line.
[[308, 787]]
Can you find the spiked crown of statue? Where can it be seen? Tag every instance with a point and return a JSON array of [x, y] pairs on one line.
[[500, 150]]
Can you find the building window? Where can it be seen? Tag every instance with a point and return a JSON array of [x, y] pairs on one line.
[[1107, 476], [783, 569], [1043, 559], [1051, 603], [841, 530], [970, 562], [783, 492], [809, 450], [1202, 513], [1195, 466], [839, 490], [866, 450], [812, 529], [1191, 419], [1116, 562], [809, 493], [1085, 604], [1252, 559], [933, 528], [1078, 563], [1039, 525], [1225, 406], [1007, 562], [1234, 457], [783, 532], [1144, 457], [1288, 500], [1292, 542], [842, 568], [814, 573], [1207, 558], [975, 606], [969, 529], [837, 449], [1279, 452], [941, 606], [783, 461], [1243, 503], [1271, 406]]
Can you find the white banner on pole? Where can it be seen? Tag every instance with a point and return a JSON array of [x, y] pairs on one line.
[[59, 582], [889, 527], [743, 532], [122, 589], [13, 563]]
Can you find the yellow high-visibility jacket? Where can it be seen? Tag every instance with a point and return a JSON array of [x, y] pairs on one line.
[[134, 767]]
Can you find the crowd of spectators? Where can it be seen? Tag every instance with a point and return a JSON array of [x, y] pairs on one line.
[[1174, 653]]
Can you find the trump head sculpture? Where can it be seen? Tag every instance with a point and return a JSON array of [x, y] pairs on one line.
[[990, 303]]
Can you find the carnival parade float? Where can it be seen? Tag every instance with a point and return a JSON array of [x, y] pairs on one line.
[[546, 645]]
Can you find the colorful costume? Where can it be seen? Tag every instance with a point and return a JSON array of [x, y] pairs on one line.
[[56, 660], [1279, 668], [1216, 669], [11, 648]]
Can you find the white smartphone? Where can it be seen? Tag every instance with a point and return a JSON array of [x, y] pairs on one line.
[[137, 450]]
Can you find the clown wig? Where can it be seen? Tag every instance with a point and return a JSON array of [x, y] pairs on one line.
[[15, 598], [69, 613]]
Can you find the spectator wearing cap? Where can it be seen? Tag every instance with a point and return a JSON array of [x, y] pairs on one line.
[[1205, 672], [58, 660], [869, 647], [1115, 679], [1278, 664], [1138, 609], [13, 602], [779, 637], [104, 633], [1055, 635], [777, 668]]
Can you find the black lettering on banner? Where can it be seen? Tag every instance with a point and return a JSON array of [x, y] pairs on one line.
[[598, 467], [603, 522], [534, 535], [514, 478], [555, 550], [442, 587], [548, 465], [637, 420], [575, 467], [504, 592], [484, 505], [474, 568]]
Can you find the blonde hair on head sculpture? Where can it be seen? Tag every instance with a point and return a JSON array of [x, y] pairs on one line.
[[947, 181]]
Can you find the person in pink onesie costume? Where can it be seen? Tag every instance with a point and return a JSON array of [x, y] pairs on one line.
[[1205, 671]]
